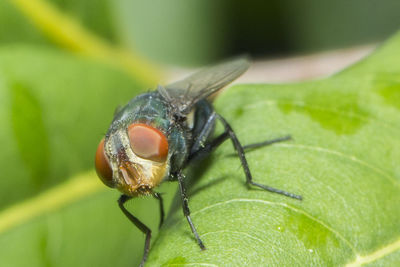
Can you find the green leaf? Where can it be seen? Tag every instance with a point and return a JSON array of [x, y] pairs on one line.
[[54, 109], [96, 15], [72, 35], [15, 28], [344, 160]]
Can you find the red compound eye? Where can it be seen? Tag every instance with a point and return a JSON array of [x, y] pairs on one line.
[[148, 142], [103, 167]]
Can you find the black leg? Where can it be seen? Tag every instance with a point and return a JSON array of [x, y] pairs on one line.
[[208, 148], [240, 151], [146, 230], [267, 143], [186, 211], [205, 132], [162, 214]]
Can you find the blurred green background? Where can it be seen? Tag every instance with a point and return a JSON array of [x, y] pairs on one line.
[[197, 32], [66, 64]]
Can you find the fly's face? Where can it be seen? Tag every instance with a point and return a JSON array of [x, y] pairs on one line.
[[134, 159]]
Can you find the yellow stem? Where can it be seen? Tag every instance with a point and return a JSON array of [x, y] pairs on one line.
[[375, 255], [73, 36], [53, 199]]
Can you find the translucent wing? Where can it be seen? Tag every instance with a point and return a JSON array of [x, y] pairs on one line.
[[187, 92]]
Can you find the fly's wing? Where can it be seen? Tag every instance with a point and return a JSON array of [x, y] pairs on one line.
[[187, 92]]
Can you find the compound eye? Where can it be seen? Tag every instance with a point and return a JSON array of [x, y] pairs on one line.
[[148, 142], [102, 165]]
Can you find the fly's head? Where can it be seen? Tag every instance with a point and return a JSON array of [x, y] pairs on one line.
[[133, 159]]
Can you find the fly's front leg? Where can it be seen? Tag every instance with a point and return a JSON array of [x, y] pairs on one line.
[[186, 211], [239, 149], [142, 227], [162, 214]]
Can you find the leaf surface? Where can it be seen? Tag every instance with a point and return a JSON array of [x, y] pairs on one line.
[[344, 160]]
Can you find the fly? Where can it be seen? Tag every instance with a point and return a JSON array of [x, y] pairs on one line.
[[157, 134]]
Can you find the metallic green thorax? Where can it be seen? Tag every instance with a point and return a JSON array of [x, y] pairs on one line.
[[150, 108]]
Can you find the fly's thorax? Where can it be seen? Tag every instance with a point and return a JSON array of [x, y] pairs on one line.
[[138, 158]]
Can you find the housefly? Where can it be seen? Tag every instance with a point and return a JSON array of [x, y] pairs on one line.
[[156, 135]]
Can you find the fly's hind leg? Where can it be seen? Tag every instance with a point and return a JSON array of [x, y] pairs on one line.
[[266, 143], [202, 150], [209, 147], [142, 227], [240, 150]]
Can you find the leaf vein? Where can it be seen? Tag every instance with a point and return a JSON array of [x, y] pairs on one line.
[[257, 239], [342, 155], [238, 200], [376, 255]]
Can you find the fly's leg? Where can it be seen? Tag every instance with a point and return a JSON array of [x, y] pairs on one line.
[[200, 148], [201, 139], [267, 142], [229, 133], [239, 149], [208, 148], [142, 227], [162, 214], [186, 211]]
